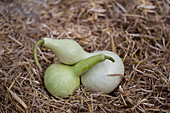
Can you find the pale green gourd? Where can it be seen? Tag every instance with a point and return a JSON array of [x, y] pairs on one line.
[[96, 79], [66, 50], [104, 76], [62, 80]]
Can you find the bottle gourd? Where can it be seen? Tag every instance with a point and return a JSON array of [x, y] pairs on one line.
[[98, 78]]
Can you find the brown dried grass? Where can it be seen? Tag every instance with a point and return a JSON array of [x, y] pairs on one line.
[[140, 30]]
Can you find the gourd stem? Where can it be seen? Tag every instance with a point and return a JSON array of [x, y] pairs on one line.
[[109, 58], [35, 54]]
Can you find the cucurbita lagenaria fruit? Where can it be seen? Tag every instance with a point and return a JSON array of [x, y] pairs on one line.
[[70, 52], [66, 50], [104, 76]]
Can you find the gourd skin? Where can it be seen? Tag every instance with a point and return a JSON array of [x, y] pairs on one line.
[[60, 80], [96, 79], [66, 50]]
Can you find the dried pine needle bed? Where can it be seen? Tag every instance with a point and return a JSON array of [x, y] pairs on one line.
[[138, 30]]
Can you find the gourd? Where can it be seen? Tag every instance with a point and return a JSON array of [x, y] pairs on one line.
[[62, 80], [104, 76], [96, 79], [66, 50]]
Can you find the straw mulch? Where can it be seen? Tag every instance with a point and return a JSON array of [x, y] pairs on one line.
[[139, 31]]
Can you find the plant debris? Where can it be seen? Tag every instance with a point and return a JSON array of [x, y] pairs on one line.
[[137, 30]]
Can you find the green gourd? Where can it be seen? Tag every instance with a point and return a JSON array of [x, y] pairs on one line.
[[104, 76], [62, 80], [66, 50], [97, 78]]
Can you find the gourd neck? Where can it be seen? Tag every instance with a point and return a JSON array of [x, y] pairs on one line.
[[52, 44], [84, 65]]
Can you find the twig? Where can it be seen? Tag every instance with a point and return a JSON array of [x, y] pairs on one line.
[[15, 40]]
